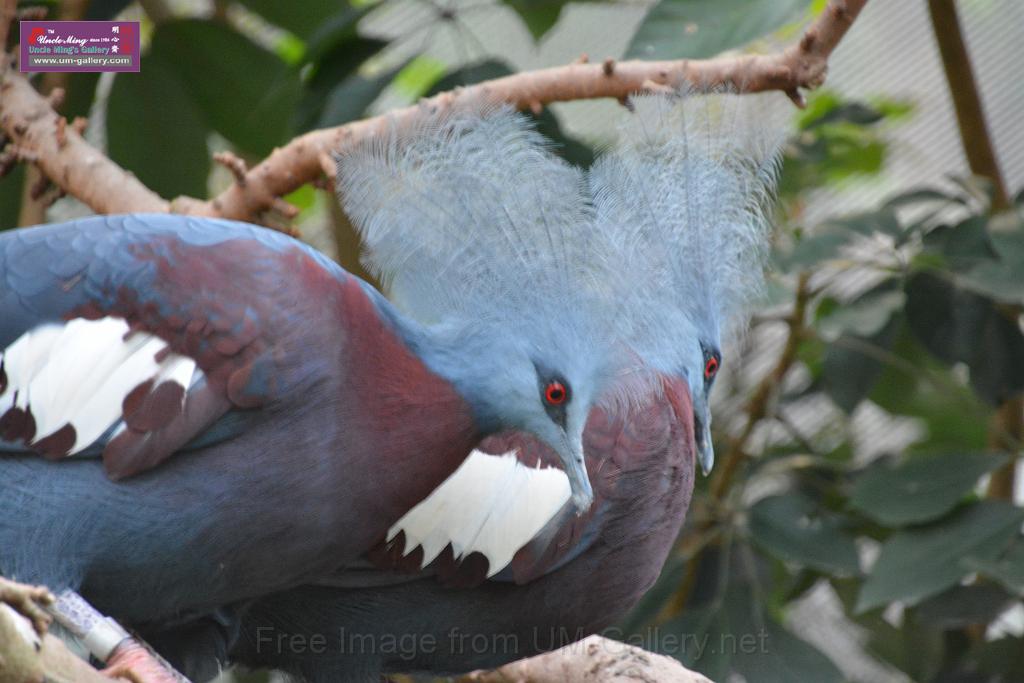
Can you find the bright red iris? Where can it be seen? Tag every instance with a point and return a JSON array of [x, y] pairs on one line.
[[555, 393], [710, 368]]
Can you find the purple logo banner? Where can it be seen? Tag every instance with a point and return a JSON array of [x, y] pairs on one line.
[[79, 46]]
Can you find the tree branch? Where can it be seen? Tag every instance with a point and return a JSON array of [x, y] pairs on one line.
[[74, 165], [963, 88], [85, 173], [1007, 428], [592, 660]]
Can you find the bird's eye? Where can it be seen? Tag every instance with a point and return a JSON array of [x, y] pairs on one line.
[[710, 368], [555, 393]]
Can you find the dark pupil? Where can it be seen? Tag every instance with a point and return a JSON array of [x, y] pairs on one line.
[[556, 393]]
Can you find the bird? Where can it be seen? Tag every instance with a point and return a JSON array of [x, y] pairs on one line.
[[681, 205], [448, 617], [197, 412]]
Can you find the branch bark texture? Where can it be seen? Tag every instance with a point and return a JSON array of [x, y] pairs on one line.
[[85, 173], [592, 660]]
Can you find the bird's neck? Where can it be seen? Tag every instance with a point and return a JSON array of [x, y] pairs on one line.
[[449, 354]]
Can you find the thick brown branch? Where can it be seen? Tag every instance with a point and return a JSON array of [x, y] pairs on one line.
[[1007, 427], [593, 660], [76, 167], [963, 88], [802, 65]]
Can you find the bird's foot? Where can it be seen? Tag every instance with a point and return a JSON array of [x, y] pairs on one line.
[[136, 663], [29, 601]]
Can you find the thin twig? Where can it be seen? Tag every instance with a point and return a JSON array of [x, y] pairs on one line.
[[963, 88], [1007, 428]]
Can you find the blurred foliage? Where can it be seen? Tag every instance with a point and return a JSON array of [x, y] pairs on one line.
[[920, 562]]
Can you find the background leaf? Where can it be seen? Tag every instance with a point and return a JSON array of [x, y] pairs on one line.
[[676, 29], [921, 488], [141, 111], [790, 527], [255, 112], [920, 562]]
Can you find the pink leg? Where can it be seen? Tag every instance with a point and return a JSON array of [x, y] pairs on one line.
[[136, 663], [108, 642]]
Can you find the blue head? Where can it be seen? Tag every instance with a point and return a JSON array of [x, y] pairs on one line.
[[681, 203], [546, 289], [478, 232]]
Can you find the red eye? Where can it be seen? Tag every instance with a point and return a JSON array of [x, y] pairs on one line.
[[555, 393], [710, 368]]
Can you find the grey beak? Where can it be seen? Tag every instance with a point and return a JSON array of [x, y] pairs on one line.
[[570, 452], [705, 449], [702, 435]]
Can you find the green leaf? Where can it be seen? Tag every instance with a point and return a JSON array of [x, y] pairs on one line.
[[918, 562], [921, 488], [784, 658], [961, 606], [349, 99], [307, 20], [104, 9], [882, 221], [732, 637], [416, 79], [1000, 281], [334, 34], [10, 197], [851, 366], [1008, 241], [336, 80], [864, 317], [851, 112], [919, 196], [960, 326], [567, 147], [156, 131], [677, 29], [813, 250], [79, 94], [1008, 569], [1002, 659], [245, 92], [963, 245], [792, 528], [538, 15]]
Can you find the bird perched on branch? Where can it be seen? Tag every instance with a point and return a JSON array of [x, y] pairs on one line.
[[455, 584], [197, 412]]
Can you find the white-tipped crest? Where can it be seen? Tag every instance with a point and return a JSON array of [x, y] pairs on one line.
[[468, 215], [681, 200]]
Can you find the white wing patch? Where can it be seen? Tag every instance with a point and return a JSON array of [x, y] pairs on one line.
[[79, 373], [492, 504]]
